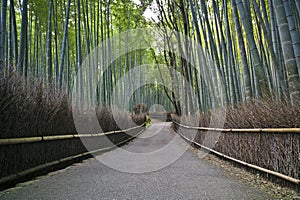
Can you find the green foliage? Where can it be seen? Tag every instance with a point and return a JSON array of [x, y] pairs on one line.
[[148, 121], [247, 51]]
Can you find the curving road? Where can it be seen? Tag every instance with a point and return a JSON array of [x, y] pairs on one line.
[[187, 177]]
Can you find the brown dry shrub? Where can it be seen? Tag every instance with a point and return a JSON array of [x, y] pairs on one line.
[[117, 120], [263, 114], [278, 152], [28, 109], [256, 114]]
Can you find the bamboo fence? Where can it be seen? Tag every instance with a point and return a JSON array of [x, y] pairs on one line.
[[276, 131], [19, 145]]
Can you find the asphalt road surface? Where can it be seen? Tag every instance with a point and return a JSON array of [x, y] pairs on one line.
[[149, 177]]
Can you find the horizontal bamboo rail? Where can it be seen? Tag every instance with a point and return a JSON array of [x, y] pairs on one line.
[[26, 172], [282, 176], [235, 130], [9, 141]]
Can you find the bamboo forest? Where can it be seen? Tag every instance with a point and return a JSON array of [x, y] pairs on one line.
[[226, 66], [254, 45]]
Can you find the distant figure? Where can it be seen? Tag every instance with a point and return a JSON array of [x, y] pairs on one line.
[[148, 120]]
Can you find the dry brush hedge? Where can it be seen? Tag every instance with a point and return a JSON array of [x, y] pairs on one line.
[[279, 152], [274, 151], [29, 110]]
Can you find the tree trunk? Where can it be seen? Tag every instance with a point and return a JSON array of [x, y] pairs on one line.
[[23, 37], [288, 53], [64, 44], [257, 64], [49, 42], [294, 33], [2, 35], [245, 67], [14, 31]]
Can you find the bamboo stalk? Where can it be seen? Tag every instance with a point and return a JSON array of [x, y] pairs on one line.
[[57, 137], [20, 140], [254, 130], [282, 176], [9, 141], [8, 178]]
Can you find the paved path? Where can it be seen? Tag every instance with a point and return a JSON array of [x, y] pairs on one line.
[[187, 178]]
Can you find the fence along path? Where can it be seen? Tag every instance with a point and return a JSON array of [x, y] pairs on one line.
[[257, 130], [19, 141], [188, 177]]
